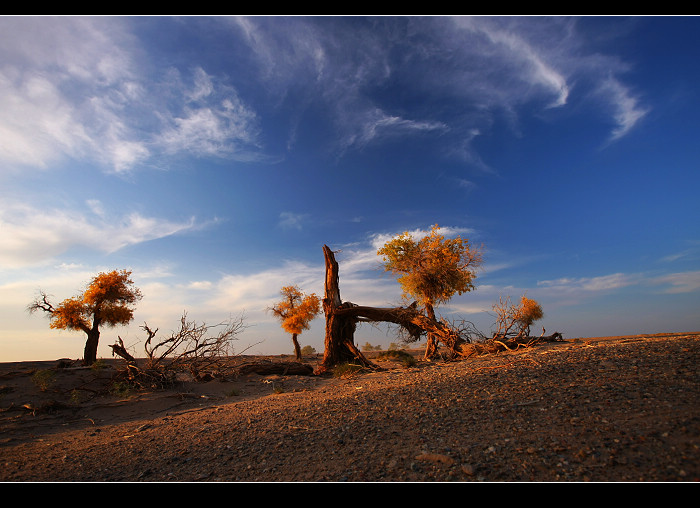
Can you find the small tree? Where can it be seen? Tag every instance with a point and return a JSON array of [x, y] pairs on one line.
[[106, 301], [296, 311], [431, 270], [514, 321], [308, 350]]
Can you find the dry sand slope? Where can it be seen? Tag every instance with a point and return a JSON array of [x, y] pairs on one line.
[[613, 409]]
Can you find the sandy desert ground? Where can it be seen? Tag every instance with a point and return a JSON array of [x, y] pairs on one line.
[[614, 409]]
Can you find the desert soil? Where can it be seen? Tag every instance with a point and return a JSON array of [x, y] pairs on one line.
[[615, 409]]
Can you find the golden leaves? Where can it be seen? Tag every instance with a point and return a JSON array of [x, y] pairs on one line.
[[529, 311], [71, 314], [296, 310], [105, 300], [515, 320], [111, 287], [434, 268]]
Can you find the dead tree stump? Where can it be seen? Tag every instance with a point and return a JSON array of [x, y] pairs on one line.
[[342, 318], [339, 341]]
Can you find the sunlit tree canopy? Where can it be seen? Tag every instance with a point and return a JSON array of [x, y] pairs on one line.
[[433, 268], [529, 311], [106, 301], [296, 310], [515, 320]]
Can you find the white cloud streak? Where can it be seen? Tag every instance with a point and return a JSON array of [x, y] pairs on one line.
[[214, 121], [291, 220], [678, 282], [513, 51], [601, 283], [37, 236], [684, 282], [627, 109], [78, 88], [83, 88], [491, 66]]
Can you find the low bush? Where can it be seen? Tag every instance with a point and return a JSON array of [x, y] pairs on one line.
[[406, 359]]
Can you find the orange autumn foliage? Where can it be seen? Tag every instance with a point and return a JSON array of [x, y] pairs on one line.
[[296, 310], [106, 301], [515, 320], [431, 270]]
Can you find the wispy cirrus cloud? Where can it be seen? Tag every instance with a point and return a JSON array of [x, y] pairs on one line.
[[291, 220], [493, 67], [213, 120], [682, 282], [35, 236], [81, 88], [63, 87], [628, 109], [377, 126], [600, 283], [515, 57], [677, 282]]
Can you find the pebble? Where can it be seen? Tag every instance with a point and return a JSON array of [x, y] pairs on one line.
[[547, 414]]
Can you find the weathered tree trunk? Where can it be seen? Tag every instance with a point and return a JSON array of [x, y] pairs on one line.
[[431, 348], [340, 328], [413, 321], [499, 343], [342, 319], [90, 351], [119, 349], [297, 349]]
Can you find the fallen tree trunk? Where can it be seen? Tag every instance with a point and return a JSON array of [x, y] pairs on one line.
[[342, 318], [497, 344], [414, 322]]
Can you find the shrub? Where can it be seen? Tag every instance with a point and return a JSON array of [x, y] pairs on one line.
[[346, 370], [121, 389], [308, 350], [99, 364], [406, 359], [43, 379]]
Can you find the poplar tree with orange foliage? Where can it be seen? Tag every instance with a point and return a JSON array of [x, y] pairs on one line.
[[514, 321], [296, 311], [106, 301], [431, 270]]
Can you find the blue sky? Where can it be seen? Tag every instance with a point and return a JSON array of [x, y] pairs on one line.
[[214, 156]]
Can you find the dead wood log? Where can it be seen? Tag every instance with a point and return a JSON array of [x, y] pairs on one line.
[[412, 320], [498, 344], [342, 319], [339, 343], [118, 349]]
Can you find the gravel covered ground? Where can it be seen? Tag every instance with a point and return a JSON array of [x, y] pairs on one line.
[[619, 409]]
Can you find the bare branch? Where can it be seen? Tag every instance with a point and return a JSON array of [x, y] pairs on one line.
[[41, 303], [194, 348]]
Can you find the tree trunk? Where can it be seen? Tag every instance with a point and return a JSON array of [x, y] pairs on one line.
[[90, 352], [340, 328], [342, 319], [297, 349], [431, 348], [413, 321]]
